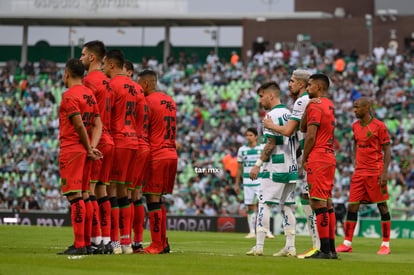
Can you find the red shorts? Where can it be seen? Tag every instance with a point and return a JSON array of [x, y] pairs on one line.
[[160, 178], [102, 168], [122, 163], [71, 164], [87, 175], [366, 189], [320, 176], [137, 173]]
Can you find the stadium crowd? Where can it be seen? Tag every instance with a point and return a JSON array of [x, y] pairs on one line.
[[216, 102]]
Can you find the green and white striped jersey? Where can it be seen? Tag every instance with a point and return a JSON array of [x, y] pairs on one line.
[[299, 108], [281, 165], [248, 157]]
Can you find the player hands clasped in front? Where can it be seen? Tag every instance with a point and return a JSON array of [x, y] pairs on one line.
[[319, 162], [247, 156], [280, 173], [163, 159], [92, 54], [369, 182], [78, 115], [297, 88], [123, 130]]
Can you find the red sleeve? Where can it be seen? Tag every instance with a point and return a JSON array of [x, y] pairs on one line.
[[71, 105], [314, 115], [383, 135]]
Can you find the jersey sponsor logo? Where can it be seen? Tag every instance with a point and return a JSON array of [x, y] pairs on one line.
[[89, 100], [169, 105], [131, 89], [130, 134]]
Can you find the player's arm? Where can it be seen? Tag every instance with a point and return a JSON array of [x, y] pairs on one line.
[[96, 131], [267, 151], [386, 148], [309, 143], [238, 175], [354, 163], [286, 130], [83, 135], [304, 121]]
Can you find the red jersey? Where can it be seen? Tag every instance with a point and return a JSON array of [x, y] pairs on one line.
[[369, 140], [78, 100], [162, 126], [142, 120], [322, 115], [99, 84], [123, 125]]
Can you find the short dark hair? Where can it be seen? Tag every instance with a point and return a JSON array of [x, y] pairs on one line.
[[75, 68], [147, 72], [322, 78], [97, 47], [117, 56], [253, 130], [129, 66], [267, 85]]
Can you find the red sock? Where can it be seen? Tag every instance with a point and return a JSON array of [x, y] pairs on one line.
[[139, 218], [96, 229], [155, 221], [105, 216], [349, 230], [124, 221], [322, 223], [164, 226], [332, 223], [114, 219], [78, 221], [386, 229], [88, 221]]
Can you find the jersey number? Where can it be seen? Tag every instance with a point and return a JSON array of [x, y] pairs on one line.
[[86, 118], [169, 128]]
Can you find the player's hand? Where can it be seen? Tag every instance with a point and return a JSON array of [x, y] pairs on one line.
[[304, 163], [254, 172], [383, 180], [94, 154], [267, 122], [237, 188]]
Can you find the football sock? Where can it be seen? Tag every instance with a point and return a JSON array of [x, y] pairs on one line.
[[311, 221], [289, 225], [251, 220], [124, 220], [78, 221], [105, 218], [114, 219], [155, 221], [131, 223], [350, 223], [332, 223], [96, 237], [322, 222], [386, 229], [163, 225], [139, 219], [263, 223], [88, 221]]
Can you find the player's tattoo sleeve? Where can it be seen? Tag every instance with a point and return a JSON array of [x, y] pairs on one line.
[[268, 148]]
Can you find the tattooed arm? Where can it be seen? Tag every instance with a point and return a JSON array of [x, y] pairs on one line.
[[267, 151]]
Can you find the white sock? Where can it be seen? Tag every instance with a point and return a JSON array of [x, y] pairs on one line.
[[96, 240], [251, 219], [313, 231], [106, 240], [347, 243], [263, 222], [289, 225], [387, 244]]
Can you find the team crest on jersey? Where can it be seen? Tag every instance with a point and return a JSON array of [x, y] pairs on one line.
[[369, 134]]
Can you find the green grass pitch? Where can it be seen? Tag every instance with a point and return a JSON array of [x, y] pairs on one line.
[[32, 250]]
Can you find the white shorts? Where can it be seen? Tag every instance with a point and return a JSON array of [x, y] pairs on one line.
[[277, 192], [250, 194]]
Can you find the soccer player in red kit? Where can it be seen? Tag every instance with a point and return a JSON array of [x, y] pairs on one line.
[[92, 54], [369, 182], [163, 160], [123, 130], [319, 162], [78, 115]]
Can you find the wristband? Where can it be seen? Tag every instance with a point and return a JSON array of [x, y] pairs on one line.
[[259, 163]]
